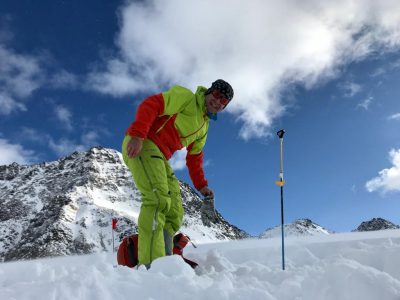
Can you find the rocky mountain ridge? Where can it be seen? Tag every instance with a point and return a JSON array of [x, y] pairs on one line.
[[306, 227], [376, 224], [300, 227]]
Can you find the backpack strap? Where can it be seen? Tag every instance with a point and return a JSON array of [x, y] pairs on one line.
[[180, 242]]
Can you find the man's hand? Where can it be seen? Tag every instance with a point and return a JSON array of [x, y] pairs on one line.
[[206, 191], [134, 146]]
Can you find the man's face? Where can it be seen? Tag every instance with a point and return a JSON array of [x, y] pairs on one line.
[[215, 102]]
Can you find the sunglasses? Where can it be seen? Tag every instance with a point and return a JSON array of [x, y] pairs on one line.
[[220, 97]]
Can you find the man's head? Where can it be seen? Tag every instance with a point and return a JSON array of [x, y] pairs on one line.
[[218, 96]]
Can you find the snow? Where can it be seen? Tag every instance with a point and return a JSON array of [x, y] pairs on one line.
[[359, 265]]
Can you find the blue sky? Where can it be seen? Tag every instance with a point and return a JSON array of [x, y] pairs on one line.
[[72, 74]]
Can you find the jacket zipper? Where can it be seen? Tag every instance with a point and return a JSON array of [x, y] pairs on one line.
[[184, 137], [163, 125], [181, 137]]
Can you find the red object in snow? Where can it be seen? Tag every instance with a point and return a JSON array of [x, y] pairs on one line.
[[114, 223]]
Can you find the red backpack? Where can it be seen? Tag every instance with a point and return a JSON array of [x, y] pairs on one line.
[[127, 254]]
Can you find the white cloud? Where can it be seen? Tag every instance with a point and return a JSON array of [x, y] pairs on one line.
[[378, 72], [9, 105], [259, 46], [394, 117], [119, 79], [90, 138], [64, 116], [20, 75], [64, 79], [30, 134], [388, 179], [178, 160], [350, 88], [10, 153], [65, 146], [366, 103]]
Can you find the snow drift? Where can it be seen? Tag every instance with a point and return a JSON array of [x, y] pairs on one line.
[[359, 265]]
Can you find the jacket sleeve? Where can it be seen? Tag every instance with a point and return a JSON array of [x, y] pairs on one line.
[[170, 102], [194, 163], [147, 112]]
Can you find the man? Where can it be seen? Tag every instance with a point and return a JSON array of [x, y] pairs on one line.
[[165, 123]]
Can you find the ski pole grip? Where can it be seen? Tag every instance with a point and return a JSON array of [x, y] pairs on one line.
[[280, 133]]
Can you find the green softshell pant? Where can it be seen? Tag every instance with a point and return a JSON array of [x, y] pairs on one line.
[[161, 212]]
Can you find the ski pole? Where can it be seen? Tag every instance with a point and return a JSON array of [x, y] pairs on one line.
[[280, 134], [112, 230], [114, 222]]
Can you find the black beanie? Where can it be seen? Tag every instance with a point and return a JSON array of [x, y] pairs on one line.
[[222, 86]]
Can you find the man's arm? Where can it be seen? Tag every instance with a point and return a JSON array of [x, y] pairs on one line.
[[194, 162], [147, 112]]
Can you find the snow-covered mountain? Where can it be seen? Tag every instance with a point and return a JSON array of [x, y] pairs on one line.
[[301, 227], [65, 207], [376, 224]]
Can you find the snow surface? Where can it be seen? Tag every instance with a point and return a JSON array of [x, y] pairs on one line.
[[359, 265]]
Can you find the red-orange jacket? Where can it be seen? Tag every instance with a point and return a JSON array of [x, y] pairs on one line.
[[175, 119]]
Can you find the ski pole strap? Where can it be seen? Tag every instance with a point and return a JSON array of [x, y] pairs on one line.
[[193, 244]]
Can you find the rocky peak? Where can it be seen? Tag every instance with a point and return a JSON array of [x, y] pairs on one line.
[[300, 227], [376, 224]]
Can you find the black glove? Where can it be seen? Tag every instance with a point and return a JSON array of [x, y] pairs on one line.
[[208, 213]]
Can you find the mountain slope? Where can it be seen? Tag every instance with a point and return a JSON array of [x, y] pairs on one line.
[[301, 227], [65, 207], [376, 224]]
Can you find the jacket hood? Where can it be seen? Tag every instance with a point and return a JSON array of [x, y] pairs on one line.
[[200, 98]]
